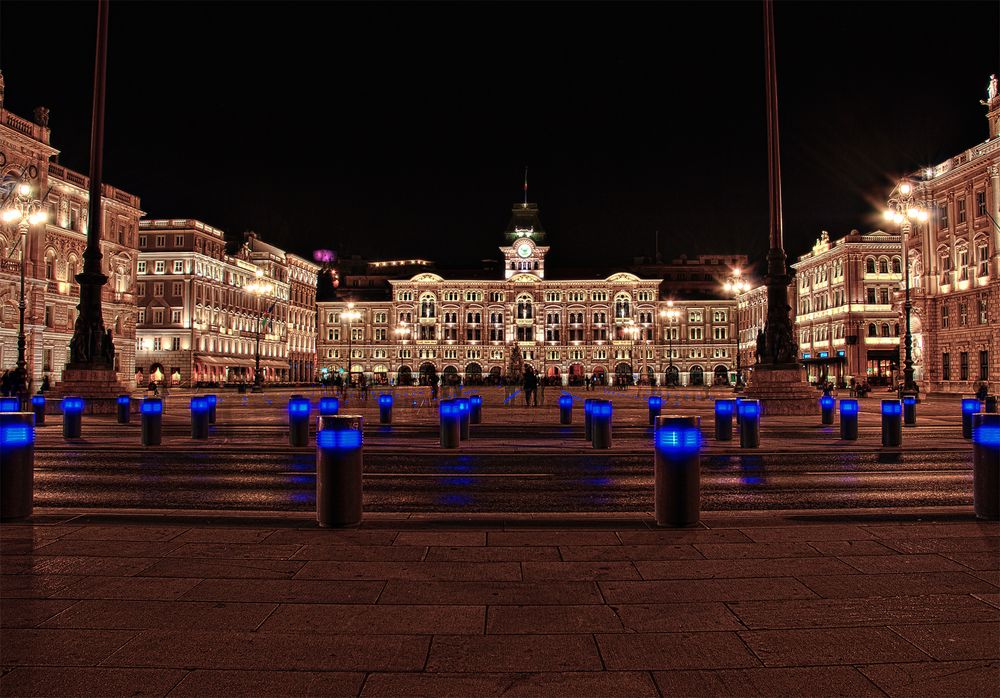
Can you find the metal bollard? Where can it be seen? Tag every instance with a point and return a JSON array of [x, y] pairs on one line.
[[986, 465], [212, 402], [970, 406], [565, 409], [328, 406], [451, 424], [38, 407], [749, 414], [909, 410], [151, 417], [339, 462], [892, 424], [991, 403], [739, 419], [655, 406], [463, 421], [476, 409], [677, 471], [124, 409], [72, 409], [17, 475], [298, 420], [849, 419], [600, 427], [724, 419], [10, 404], [588, 421], [385, 408], [199, 418], [826, 405]]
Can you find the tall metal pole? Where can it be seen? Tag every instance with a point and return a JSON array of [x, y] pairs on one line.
[[91, 347], [22, 364], [781, 348], [256, 369], [908, 383], [739, 365]]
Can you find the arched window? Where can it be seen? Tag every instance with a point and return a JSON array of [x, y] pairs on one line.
[[428, 305], [897, 266], [895, 330], [870, 265], [623, 306], [524, 309], [872, 330], [885, 329], [883, 266]]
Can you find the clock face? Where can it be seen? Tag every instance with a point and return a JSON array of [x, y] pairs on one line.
[[524, 251]]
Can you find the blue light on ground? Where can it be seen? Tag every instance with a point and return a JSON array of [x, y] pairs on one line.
[[199, 404], [38, 400], [10, 404], [655, 402], [848, 407], [970, 406], [891, 407], [723, 407], [17, 435], [565, 401], [826, 402], [476, 400], [385, 400], [909, 401], [448, 409], [339, 439], [72, 404], [329, 405], [151, 407], [455, 499], [673, 439], [601, 409], [463, 404], [212, 400], [749, 409], [124, 400], [299, 407], [986, 435]]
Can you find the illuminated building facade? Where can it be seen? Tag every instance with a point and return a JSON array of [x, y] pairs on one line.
[[468, 328], [55, 254], [955, 268], [199, 323]]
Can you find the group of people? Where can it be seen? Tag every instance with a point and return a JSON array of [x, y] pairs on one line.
[[11, 385]]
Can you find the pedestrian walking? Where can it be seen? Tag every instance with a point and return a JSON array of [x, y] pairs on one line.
[[530, 387]]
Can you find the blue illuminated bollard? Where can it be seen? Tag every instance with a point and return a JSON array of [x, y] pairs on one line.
[[724, 410], [213, 401], [565, 409], [17, 464], [588, 421], [600, 426], [451, 423], [298, 420], [124, 409], [199, 418], [749, 415], [476, 409], [826, 405], [38, 407], [986, 465], [10, 404], [385, 408], [339, 462], [892, 423], [677, 471], [655, 406], [849, 419], [328, 406], [739, 418], [72, 409], [463, 414], [970, 406], [909, 409], [991, 404], [151, 418]]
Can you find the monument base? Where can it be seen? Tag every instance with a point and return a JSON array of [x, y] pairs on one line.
[[781, 390], [99, 388]]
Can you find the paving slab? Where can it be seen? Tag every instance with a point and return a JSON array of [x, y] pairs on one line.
[[568, 684], [954, 641], [365, 619], [555, 653], [736, 683], [70, 682], [935, 679], [680, 650], [830, 646], [318, 684]]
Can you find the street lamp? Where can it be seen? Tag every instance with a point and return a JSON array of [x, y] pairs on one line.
[[633, 332], [350, 315], [26, 211], [903, 207], [670, 315], [402, 331], [541, 379], [737, 285], [258, 287]]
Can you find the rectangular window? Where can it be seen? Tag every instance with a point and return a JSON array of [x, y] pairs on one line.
[[141, 268], [175, 317], [884, 296], [983, 311], [943, 217], [983, 257], [157, 317], [719, 332], [142, 241], [960, 210], [380, 334], [871, 296], [157, 343], [984, 365], [963, 264], [161, 240], [427, 332], [175, 344], [178, 241], [177, 289], [981, 203], [141, 317], [945, 320], [158, 289], [963, 314], [600, 334], [178, 266], [158, 267], [695, 333], [946, 366], [963, 366], [357, 334]]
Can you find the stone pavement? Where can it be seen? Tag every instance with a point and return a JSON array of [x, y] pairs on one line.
[[898, 603]]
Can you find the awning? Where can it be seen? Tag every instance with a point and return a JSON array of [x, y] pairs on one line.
[[825, 360], [891, 354], [241, 361]]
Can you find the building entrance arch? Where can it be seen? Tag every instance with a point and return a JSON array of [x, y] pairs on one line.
[[576, 374], [404, 376], [474, 374], [697, 375], [721, 375], [673, 376]]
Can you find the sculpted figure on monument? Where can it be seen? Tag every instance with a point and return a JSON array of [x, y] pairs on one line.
[[761, 346]]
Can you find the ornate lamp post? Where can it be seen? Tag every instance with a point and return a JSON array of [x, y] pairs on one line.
[[350, 315], [258, 288], [736, 285], [402, 332], [670, 315], [903, 207], [633, 333], [26, 211]]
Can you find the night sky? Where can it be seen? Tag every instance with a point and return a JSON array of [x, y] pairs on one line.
[[395, 130]]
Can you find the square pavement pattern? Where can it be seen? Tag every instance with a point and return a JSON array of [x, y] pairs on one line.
[[807, 603]]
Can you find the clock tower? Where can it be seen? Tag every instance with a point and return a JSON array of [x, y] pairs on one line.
[[524, 253]]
